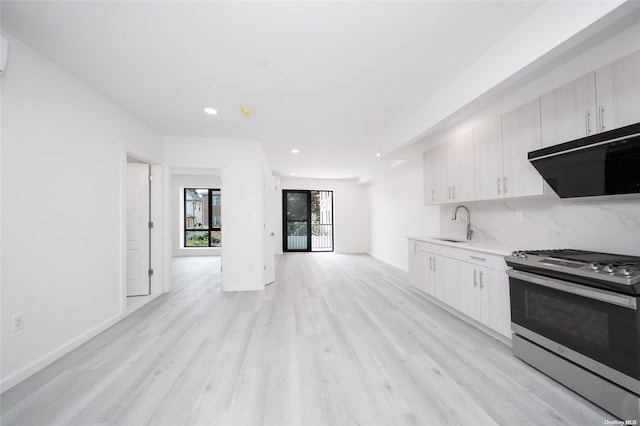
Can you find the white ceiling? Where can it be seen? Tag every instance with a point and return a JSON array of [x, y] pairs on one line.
[[338, 75]]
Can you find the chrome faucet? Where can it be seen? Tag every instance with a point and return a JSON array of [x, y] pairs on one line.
[[454, 216]]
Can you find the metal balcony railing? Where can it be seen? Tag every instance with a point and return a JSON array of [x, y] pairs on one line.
[[321, 237]]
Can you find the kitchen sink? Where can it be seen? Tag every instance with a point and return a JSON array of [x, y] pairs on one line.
[[451, 240]]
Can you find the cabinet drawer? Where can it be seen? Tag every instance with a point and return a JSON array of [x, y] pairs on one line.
[[424, 247], [446, 251], [487, 260]]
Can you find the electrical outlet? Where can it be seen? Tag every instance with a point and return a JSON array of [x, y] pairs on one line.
[[17, 321], [519, 216]]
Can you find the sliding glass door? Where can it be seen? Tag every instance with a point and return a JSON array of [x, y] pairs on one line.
[[307, 220], [297, 218]]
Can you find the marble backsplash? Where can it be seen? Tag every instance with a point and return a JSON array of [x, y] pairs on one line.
[[605, 226]]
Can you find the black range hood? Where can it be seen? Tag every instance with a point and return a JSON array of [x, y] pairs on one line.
[[606, 164]]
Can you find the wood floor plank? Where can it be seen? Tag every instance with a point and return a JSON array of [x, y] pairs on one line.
[[335, 340]]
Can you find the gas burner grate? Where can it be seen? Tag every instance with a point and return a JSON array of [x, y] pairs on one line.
[[589, 257]]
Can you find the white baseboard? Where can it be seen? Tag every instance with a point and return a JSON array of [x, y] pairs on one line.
[[13, 379], [243, 288], [403, 268]]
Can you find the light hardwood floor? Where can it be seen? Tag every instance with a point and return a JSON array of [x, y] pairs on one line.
[[336, 340]]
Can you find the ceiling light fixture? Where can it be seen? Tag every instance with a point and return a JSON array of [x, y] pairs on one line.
[[211, 111], [349, 175], [377, 154], [295, 151], [246, 111], [293, 174]]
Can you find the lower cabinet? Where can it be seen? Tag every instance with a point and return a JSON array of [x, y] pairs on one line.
[[475, 286]]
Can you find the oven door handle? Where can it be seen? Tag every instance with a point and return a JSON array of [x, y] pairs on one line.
[[629, 302]]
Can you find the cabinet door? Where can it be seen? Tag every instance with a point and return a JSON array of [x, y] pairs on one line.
[[521, 134], [444, 279], [424, 270], [413, 263], [434, 170], [569, 112], [460, 168], [471, 303], [618, 93], [487, 160], [496, 314]]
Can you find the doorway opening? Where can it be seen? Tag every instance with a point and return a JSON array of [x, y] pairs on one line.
[[307, 220]]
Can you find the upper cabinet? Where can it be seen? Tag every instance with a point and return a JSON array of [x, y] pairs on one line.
[[448, 171], [460, 168], [435, 175], [501, 145], [491, 162], [569, 112], [521, 134], [618, 93], [487, 160], [599, 101]]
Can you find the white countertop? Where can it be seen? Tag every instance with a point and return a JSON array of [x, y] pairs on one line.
[[482, 246]]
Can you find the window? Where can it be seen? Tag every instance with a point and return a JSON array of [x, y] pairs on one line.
[[202, 221]]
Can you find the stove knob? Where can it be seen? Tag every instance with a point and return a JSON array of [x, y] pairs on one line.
[[594, 266], [515, 253], [627, 272], [609, 269], [523, 255]]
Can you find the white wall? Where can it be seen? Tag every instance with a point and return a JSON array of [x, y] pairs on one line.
[[397, 211], [240, 162], [350, 212], [178, 183], [63, 170]]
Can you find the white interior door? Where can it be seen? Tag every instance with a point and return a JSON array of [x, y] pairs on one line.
[[137, 229]]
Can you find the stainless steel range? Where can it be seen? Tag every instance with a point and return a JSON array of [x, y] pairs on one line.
[[574, 316]]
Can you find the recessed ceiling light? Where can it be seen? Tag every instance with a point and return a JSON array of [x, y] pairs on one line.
[[377, 154], [293, 174], [295, 151], [211, 111], [349, 175]]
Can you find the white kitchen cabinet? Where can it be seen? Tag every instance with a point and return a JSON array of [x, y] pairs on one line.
[[443, 278], [460, 179], [487, 163], [618, 93], [569, 112], [487, 160], [498, 314], [472, 301], [435, 175], [424, 271], [599, 101], [448, 171], [422, 266], [413, 262], [520, 135], [472, 283], [484, 287]]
